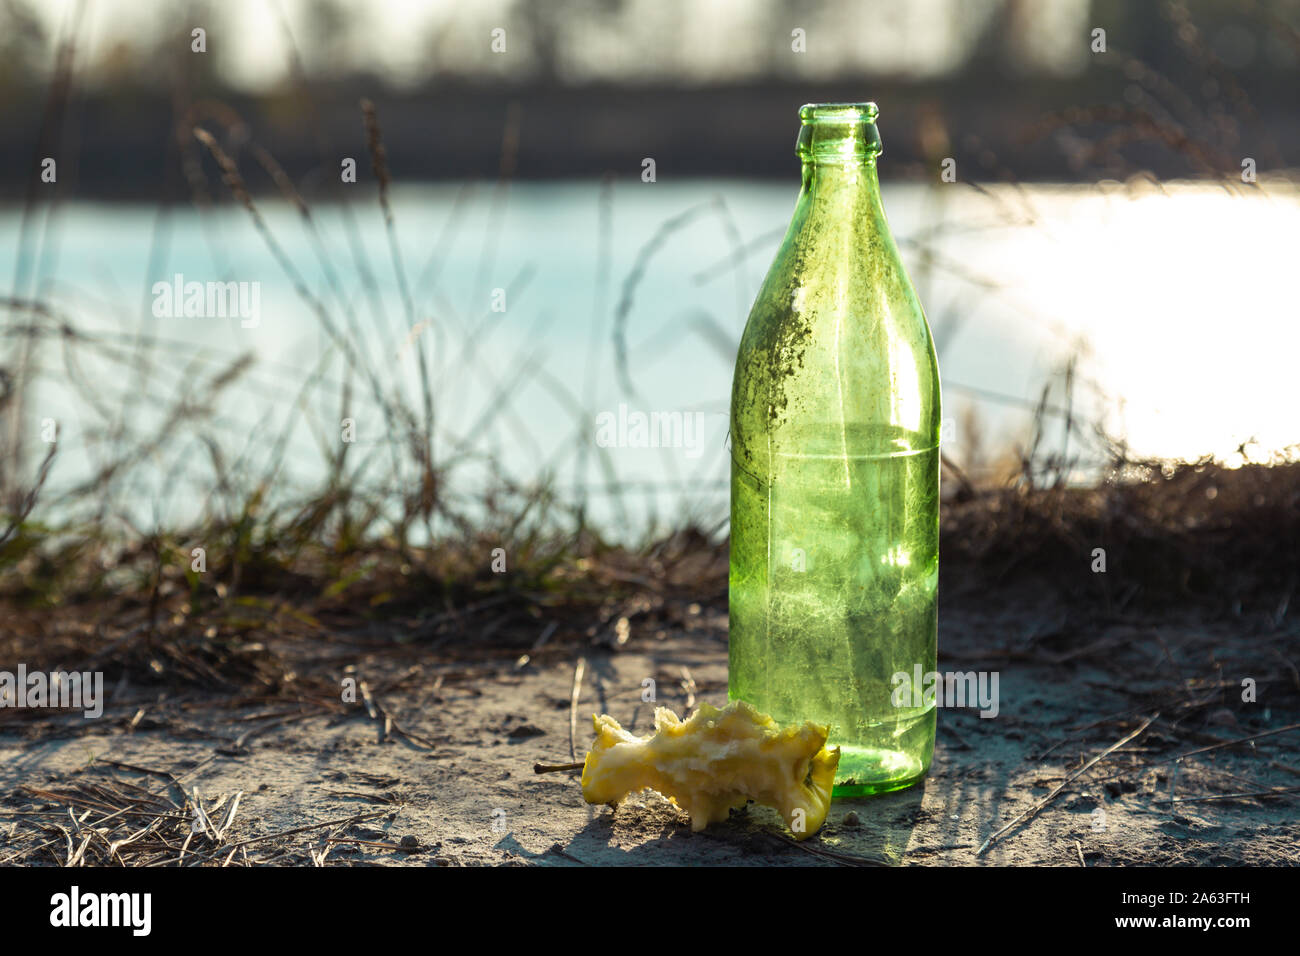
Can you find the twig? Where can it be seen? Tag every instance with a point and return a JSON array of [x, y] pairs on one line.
[[559, 851], [1275, 792], [845, 859], [384, 846], [1239, 740], [1033, 811]]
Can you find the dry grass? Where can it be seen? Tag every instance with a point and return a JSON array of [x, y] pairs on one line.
[[1201, 533], [101, 819]]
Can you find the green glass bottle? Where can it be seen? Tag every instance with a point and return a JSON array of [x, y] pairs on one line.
[[835, 473]]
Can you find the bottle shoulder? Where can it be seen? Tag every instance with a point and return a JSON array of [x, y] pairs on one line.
[[799, 376]]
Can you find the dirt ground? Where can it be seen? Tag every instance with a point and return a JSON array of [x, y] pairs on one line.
[[451, 781]]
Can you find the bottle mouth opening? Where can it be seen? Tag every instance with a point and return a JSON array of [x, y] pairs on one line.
[[838, 113], [838, 133]]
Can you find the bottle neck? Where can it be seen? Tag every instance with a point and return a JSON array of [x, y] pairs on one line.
[[841, 181], [838, 146], [839, 203]]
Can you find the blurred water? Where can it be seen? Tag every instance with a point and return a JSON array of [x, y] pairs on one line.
[[1179, 300]]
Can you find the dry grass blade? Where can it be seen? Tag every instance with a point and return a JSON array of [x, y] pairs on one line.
[[375, 712], [688, 686], [29, 500], [379, 165], [230, 817], [116, 845], [388, 726], [574, 695], [200, 817]]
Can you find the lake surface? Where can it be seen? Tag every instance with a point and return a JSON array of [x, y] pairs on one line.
[[1178, 301]]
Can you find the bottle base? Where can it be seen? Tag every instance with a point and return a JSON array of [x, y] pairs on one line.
[[865, 772]]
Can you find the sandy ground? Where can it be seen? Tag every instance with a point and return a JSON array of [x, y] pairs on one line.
[[463, 792]]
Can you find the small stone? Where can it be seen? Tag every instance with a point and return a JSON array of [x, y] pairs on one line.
[[851, 819], [526, 730], [1222, 718]]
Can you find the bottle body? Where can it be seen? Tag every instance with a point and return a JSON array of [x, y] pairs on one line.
[[835, 475]]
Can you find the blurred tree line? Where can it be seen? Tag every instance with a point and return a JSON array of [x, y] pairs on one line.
[[709, 86]]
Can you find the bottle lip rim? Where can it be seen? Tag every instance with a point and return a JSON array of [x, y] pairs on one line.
[[838, 112], [837, 134]]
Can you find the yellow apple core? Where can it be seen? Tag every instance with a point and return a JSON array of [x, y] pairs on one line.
[[715, 761]]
